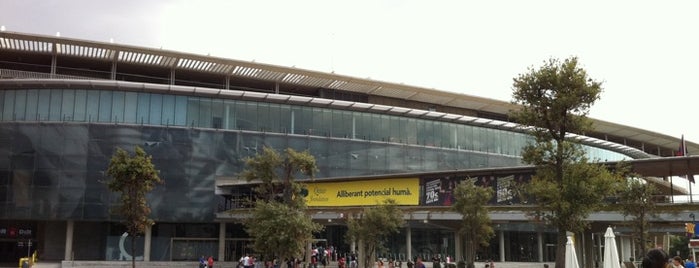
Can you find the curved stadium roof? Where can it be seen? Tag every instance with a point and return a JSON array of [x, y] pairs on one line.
[[13, 44]]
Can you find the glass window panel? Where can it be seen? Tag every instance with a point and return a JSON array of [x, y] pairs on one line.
[[411, 131], [55, 106], [142, 115], [446, 135], [105, 109], [326, 122], [438, 133], [301, 120], [2, 101], [402, 129], [93, 97], [274, 120], [383, 127], [509, 142], [156, 108], [284, 118], [217, 113], [396, 159], [80, 105], [340, 125], [20, 104], [44, 103], [493, 140], [168, 115], [130, 107], [8, 109], [422, 134], [263, 116], [479, 139], [377, 158], [205, 112], [68, 105], [229, 118], [247, 116], [181, 110], [362, 123], [393, 128], [118, 106], [192, 111]]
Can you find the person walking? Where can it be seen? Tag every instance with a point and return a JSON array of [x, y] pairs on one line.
[[210, 262], [690, 262], [655, 258], [677, 262], [202, 262]]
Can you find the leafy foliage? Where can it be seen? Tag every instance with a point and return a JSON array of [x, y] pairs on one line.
[[556, 99], [637, 200], [280, 229], [280, 225], [277, 173], [373, 227], [133, 177], [471, 201]]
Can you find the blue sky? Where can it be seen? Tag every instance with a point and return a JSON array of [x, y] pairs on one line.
[[644, 52]]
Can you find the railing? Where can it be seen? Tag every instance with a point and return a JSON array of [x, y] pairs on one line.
[[15, 74]]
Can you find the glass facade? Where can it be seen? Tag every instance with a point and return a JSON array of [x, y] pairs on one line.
[[141, 108], [56, 145], [52, 163]]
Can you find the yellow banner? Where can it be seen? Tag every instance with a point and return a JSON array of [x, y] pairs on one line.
[[363, 193]]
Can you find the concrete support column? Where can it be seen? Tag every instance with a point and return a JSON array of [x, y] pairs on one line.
[[501, 237], [70, 226], [409, 242], [146, 242], [353, 245], [458, 247], [113, 72], [588, 255], [222, 242], [54, 52], [540, 245], [600, 251]]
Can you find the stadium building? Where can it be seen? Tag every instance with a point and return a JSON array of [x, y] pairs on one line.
[[66, 104]]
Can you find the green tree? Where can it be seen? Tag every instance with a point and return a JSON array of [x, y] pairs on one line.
[[678, 246], [133, 177], [372, 228], [637, 200], [471, 201], [280, 225], [280, 229], [277, 173], [555, 99]]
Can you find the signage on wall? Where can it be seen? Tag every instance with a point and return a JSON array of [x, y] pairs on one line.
[[15, 232], [404, 191], [439, 191]]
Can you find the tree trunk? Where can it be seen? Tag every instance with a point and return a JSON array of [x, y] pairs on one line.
[[369, 252], [561, 249], [470, 250]]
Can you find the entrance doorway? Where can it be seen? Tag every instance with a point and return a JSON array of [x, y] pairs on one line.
[[11, 250]]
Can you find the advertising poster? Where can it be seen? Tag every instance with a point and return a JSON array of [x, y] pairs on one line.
[[507, 189], [363, 193]]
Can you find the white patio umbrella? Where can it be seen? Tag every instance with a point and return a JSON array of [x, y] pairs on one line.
[[611, 256], [571, 257]]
